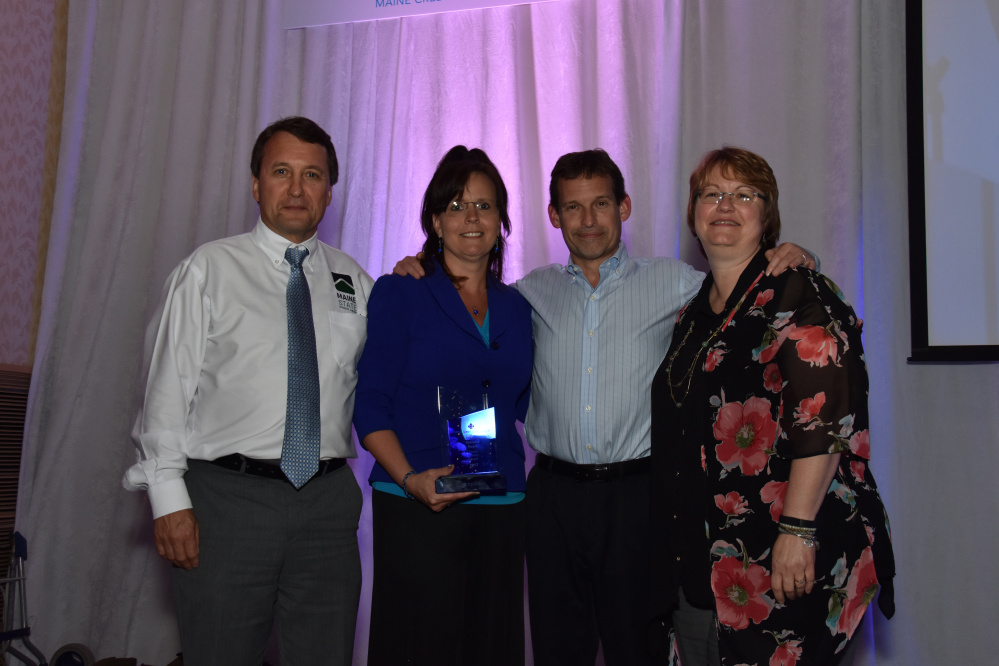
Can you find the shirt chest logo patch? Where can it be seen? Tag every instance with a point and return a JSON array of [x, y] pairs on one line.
[[345, 297]]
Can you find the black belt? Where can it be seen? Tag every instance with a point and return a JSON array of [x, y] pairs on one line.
[[599, 472], [271, 470]]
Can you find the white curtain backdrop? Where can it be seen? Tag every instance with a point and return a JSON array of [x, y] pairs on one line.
[[164, 100]]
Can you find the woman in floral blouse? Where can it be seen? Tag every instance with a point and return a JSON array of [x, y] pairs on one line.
[[770, 537]]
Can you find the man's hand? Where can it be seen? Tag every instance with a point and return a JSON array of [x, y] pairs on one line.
[[177, 538], [788, 255], [410, 266]]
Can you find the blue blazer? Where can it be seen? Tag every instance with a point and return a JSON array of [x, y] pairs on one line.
[[420, 336]]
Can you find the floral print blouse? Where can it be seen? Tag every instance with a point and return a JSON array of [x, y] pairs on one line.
[[779, 374]]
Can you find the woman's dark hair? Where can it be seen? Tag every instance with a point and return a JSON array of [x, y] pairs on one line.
[[447, 185], [302, 129], [751, 169]]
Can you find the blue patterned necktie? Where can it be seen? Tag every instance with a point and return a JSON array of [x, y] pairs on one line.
[[300, 451]]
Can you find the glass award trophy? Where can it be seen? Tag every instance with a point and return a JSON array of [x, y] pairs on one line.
[[468, 441]]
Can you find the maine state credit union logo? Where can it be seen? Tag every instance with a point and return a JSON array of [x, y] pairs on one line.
[[345, 297]]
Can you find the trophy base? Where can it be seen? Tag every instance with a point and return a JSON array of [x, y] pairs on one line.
[[490, 483]]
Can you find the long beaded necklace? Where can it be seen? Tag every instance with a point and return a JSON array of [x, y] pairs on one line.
[[688, 376]]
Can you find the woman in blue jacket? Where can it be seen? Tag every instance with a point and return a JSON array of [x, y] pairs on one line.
[[448, 585]]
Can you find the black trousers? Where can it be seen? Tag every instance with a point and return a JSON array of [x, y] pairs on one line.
[[588, 569], [448, 587]]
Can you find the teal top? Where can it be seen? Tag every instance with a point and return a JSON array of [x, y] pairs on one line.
[[484, 329], [509, 498]]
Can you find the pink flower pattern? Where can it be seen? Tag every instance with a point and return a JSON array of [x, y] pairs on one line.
[[860, 590], [773, 494], [766, 352], [763, 298], [807, 413], [745, 432], [732, 505], [815, 345], [787, 654], [860, 444], [741, 593], [772, 381], [809, 355], [713, 358]]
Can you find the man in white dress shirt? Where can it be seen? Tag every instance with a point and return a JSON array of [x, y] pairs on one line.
[[249, 545]]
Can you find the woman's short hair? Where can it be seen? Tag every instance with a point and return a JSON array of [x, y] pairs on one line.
[[748, 167], [447, 185]]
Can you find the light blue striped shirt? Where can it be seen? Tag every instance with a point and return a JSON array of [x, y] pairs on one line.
[[596, 352]]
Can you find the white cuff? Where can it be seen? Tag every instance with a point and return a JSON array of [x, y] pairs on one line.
[[168, 497]]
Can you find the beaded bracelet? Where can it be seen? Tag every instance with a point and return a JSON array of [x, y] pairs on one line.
[[403, 484], [805, 534], [797, 522], [791, 529], [796, 531]]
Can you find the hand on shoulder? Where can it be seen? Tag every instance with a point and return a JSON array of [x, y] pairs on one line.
[[410, 266]]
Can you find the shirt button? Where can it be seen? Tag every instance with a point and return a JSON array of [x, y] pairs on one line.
[[591, 333], [592, 297], [677, 558], [485, 383], [589, 447], [587, 408], [589, 370]]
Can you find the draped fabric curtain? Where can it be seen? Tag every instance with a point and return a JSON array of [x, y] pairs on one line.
[[163, 101]]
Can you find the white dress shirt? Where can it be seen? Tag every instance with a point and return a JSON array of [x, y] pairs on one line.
[[217, 355], [596, 351]]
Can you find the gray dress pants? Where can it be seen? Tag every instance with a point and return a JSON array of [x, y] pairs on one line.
[[270, 553]]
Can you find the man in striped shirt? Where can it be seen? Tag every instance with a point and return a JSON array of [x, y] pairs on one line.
[[602, 325]]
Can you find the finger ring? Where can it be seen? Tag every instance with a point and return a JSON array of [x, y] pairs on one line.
[[803, 256], [799, 582]]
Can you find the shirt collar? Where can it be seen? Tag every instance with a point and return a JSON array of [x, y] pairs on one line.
[[749, 274], [274, 244], [611, 264]]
